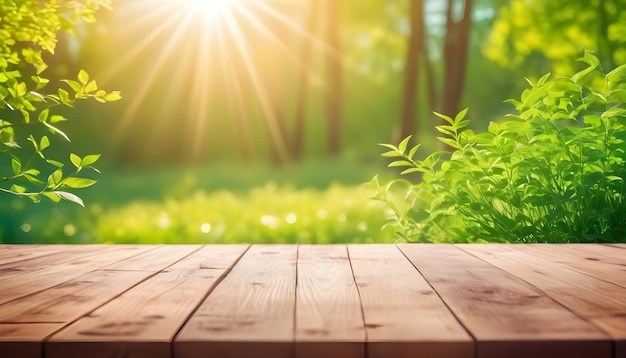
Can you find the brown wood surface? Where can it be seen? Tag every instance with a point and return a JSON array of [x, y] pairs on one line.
[[507, 316], [60, 268], [605, 268], [368, 301], [12, 253], [329, 321], [251, 313], [404, 316], [149, 315]]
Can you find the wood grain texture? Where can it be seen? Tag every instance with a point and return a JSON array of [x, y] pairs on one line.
[[603, 267], [154, 260], [507, 316], [616, 327], [250, 313], [63, 268], [603, 250], [24, 340], [68, 255], [13, 253], [71, 299], [585, 295], [143, 321], [329, 321], [369, 301], [404, 316]]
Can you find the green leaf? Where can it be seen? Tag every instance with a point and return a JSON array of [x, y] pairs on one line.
[[391, 154], [83, 76], [414, 150], [78, 183], [411, 170], [64, 96], [390, 146], [75, 159], [616, 76], [402, 146], [74, 85], [70, 197], [460, 116], [44, 143], [90, 159], [55, 163], [17, 189], [55, 178], [16, 166], [400, 163], [444, 117], [113, 96], [91, 86], [43, 115], [52, 196], [57, 118], [451, 142]]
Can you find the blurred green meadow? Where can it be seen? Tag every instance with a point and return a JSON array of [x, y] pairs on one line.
[[323, 201]]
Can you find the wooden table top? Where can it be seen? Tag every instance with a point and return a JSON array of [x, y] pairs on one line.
[[405, 300]]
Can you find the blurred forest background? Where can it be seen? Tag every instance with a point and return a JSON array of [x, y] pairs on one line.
[[258, 120]]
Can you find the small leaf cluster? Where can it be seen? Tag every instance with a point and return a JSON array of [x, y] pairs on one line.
[[552, 172], [27, 29]]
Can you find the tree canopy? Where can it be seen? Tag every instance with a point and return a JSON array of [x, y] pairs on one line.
[[559, 30]]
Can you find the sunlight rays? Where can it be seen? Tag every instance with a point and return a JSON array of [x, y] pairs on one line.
[[202, 52]]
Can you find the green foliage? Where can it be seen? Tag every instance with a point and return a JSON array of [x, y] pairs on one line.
[[553, 172], [559, 30], [265, 214], [27, 30]]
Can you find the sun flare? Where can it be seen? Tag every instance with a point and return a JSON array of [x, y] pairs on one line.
[[220, 59], [210, 10]]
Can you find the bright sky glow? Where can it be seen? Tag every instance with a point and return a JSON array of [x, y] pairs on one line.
[[209, 53], [211, 10]]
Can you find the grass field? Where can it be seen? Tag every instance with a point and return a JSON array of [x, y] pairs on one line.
[[323, 201]]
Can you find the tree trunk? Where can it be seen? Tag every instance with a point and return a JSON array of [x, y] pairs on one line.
[[411, 74], [305, 55], [334, 80], [455, 50], [267, 73]]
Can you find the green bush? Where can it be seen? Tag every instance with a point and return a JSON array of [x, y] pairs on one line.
[[552, 172]]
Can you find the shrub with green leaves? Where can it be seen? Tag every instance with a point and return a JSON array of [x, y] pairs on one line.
[[552, 172], [27, 30]]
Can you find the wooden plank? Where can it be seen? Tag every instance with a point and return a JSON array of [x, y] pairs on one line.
[[602, 250], [143, 321], [507, 316], [32, 282], [587, 296], [71, 299], [617, 326], [329, 321], [250, 313], [619, 246], [12, 253], [404, 316], [154, 260], [24, 340], [605, 268], [69, 254]]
